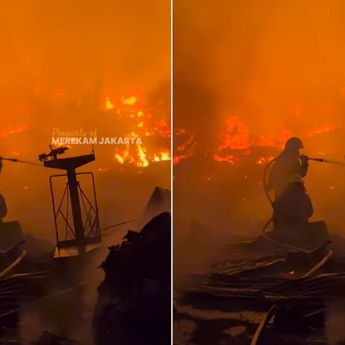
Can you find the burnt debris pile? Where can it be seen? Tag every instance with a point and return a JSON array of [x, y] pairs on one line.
[[134, 299], [296, 294], [48, 338], [17, 289]]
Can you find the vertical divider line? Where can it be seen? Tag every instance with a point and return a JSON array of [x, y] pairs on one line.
[[172, 164]]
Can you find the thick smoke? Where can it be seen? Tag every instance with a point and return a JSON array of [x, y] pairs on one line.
[[277, 67], [261, 59]]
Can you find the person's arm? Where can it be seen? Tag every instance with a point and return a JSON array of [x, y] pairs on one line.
[[303, 169]]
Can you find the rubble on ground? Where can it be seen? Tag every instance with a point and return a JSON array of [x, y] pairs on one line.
[[290, 290], [134, 299]]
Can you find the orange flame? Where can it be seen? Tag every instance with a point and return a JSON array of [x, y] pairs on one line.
[[237, 141], [131, 109]]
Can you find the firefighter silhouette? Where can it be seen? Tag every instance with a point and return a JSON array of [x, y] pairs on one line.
[[293, 208], [288, 163]]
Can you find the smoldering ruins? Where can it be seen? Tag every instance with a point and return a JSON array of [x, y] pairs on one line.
[[247, 77]]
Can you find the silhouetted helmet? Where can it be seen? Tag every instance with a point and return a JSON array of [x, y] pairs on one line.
[[296, 178], [294, 143]]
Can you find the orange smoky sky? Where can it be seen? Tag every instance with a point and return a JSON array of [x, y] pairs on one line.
[[274, 64], [61, 61], [54, 53], [248, 74], [75, 45]]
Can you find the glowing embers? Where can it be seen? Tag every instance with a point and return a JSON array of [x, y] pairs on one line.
[[131, 100], [186, 143], [164, 156], [108, 104]]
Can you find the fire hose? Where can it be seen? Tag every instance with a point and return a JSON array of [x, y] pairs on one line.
[[268, 196], [16, 160], [272, 311], [267, 224], [269, 164]]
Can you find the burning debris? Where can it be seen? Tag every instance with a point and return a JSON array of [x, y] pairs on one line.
[[144, 126]]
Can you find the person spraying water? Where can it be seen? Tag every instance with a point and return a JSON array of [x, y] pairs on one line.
[[291, 205], [288, 163]]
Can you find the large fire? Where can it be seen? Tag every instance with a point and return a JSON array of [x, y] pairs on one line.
[[237, 140], [144, 126], [137, 119], [129, 116]]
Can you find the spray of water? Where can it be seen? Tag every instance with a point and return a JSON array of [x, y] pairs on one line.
[[323, 160], [16, 160]]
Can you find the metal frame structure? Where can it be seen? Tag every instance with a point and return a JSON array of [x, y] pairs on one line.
[[69, 236], [80, 236]]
